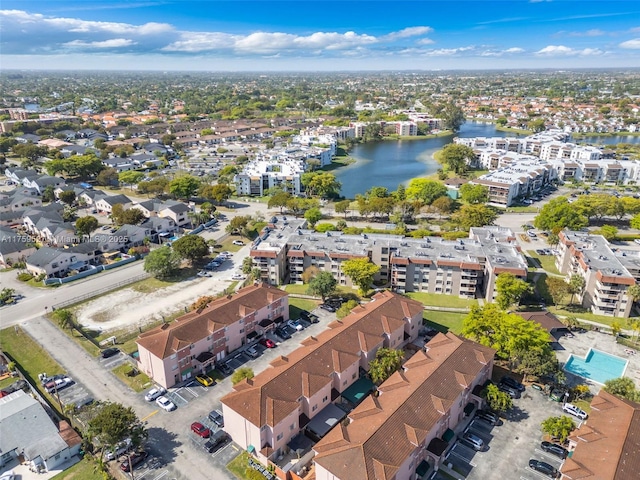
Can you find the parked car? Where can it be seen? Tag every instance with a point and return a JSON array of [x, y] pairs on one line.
[[513, 383], [154, 393], [297, 326], [512, 392], [282, 333], [554, 449], [237, 276], [531, 234], [58, 384], [133, 461], [310, 317], [217, 441], [267, 342], [200, 430], [473, 441], [216, 417], [238, 242], [327, 307], [205, 380], [490, 417], [165, 404], [109, 352], [571, 409], [557, 394], [543, 467], [118, 450], [225, 369], [203, 273], [252, 352]]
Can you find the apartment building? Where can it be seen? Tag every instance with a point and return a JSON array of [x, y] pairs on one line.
[[606, 277], [605, 446], [263, 415], [172, 353], [400, 432], [465, 268], [406, 129]]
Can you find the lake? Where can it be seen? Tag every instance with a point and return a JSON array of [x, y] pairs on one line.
[[390, 163]]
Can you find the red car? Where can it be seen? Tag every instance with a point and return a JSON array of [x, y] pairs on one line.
[[134, 460], [200, 430], [267, 343]]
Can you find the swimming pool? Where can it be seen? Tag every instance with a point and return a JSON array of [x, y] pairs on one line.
[[597, 366]]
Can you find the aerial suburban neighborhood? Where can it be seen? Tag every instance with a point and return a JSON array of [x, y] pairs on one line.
[[250, 244]]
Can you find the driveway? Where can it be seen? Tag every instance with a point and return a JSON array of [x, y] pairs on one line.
[[515, 441]]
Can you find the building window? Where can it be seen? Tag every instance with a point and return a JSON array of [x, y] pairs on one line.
[[279, 437], [353, 377], [314, 408], [344, 383], [324, 399], [292, 426]]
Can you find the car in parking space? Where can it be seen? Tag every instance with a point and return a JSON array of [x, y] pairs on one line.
[[296, 325], [203, 273], [226, 254], [237, 276], [154, 393], [267, 342], [205, 380], [200, 430], [531, 234], [109, 352], [489, 417], [217, 441], [571, 409], [165, 404], [557, 394], [238, 242], [224, 368], [637, 241], [512, 392], [216, 417], [543, 467], [133, 461], [282, 333], [252, 352], [554, 449], [327, 307], [310, 317], [513, 383], [473, 441], [117, 450]]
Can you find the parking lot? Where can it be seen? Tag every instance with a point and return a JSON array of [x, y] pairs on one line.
[[508, 446]]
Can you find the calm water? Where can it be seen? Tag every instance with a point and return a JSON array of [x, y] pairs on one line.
[[389, 163], [610, 140], [597, 366]]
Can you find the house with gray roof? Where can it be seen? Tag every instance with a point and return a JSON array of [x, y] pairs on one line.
[[120, 164], [14, 247], [55, 262], [176, 211], [27, 431], [105, 204], [43, 181]]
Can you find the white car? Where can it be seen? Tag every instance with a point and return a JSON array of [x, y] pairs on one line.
[[154, 393], [637, 241], [226, 254], [238, 242], [237, 276], [571, 409], [166, 404], [203, 273]]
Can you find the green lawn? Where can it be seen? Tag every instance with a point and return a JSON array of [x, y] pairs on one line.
[[439, 300], [522, 209], [444, 321], [239, 466], [301, 289], [298, 304], [5, 382], [85, 469], [578, 312], [28, 354], [138, 383], [547, 262]]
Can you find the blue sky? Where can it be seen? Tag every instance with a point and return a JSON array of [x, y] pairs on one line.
[[318, 35]]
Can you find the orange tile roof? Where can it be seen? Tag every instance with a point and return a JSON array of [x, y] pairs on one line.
[[273, 395], [385, 429], [165, 340], [608, 443]]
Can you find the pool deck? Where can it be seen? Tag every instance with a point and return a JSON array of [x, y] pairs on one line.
[[579, 346]]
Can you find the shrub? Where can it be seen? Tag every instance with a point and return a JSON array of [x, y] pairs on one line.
[[325, 227], [24, 276]]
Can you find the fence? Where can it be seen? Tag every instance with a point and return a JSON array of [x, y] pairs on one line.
[[101, 291]]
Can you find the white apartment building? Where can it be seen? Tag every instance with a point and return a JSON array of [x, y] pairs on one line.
[[406, 129], [260, 175]]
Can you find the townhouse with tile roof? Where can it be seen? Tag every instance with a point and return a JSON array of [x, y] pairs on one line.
[[416, 407], [607, 445], [605, 275], [307, 390], [172, 353]]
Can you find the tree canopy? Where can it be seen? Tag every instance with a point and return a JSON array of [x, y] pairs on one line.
[[558, 213], [191, 247], [457, 157], [161, 262], [510, 290], [322, 285], [622, 387], [184, 187], [474, 194], [559, 427], [86, 225], [387, 362], [498, 400], [240, 374], [361, 271], [425, 190], [112, 422], [474, 216], [322, 184]]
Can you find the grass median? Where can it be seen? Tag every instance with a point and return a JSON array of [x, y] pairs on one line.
[[440, 300]]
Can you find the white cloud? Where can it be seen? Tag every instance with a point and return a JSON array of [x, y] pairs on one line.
[[563, 51], [514, 50], [408, 32], [631, 44], [113, 43], [500, 53], [447, 52], [424, 41]]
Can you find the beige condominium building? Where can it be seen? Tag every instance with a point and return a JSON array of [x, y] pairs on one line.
[[466, 268], [605, 276]]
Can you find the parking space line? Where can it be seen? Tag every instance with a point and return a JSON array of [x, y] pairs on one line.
[[547, 455], [150, 415], [163, 474], [190, 390], [463, 458], [180, 396]]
